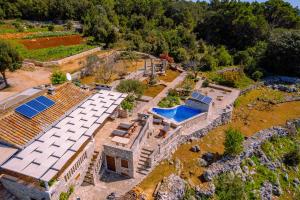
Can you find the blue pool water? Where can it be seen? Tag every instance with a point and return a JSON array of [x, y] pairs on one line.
[[178, 114]]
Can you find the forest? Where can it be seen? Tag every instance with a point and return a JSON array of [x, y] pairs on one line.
[[262, 38]]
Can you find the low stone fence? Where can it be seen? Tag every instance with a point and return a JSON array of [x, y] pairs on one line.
[[139, 140], [166, 147], [250, 146], [62, 61]]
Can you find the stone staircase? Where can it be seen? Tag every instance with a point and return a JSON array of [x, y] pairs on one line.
[[143, 166], [5, 194], [90, 177]]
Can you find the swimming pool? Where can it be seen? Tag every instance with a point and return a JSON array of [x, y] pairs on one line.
[[178, 114]]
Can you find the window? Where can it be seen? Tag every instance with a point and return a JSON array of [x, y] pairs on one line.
[[124, 163]]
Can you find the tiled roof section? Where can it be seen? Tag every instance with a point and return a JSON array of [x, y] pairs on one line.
[[18, 130], [51, 152]]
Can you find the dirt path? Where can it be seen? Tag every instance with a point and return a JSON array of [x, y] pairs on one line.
[[24, 79]]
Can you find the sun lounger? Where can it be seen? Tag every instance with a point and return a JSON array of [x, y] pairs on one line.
[[125, 126], [120, 133]]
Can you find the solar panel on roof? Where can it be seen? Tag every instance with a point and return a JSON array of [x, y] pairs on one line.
[[26, 111], [46, 101], [36, 105], [206, 100]]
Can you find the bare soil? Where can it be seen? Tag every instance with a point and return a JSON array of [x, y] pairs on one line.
[[40, 43], [24, 79]]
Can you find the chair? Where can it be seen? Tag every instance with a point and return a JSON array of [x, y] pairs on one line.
[[125, 126]]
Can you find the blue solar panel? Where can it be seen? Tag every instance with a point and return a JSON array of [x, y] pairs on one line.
[[36, 105], [206, 100], [26, 111], [46, 101]]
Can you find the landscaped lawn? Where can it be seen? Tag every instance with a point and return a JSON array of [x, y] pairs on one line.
[[153, 91], [170, 75]]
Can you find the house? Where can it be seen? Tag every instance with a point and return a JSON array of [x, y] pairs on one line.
[[47, 141]]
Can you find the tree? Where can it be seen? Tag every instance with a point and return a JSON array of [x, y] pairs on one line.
[[224, 57], [9, 60], [281, 14], [282, 54], [132, 87], [104, 73], [233, 142]]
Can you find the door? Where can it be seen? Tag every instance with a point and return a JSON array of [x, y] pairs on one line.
[[110, 163]]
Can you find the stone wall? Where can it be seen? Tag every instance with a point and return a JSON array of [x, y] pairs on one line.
[[23, 190], [77, 176], [119, 153], [62, 61]]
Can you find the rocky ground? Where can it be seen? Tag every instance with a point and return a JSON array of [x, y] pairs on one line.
[[261, 169]]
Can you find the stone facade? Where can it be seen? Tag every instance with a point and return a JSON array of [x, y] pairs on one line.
[[75, 172], [119, 154]]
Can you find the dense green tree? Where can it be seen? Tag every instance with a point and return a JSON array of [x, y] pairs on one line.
[[224, 57], [9, 59], [234, 25], [132, 87], [282, 54], [281, 14]]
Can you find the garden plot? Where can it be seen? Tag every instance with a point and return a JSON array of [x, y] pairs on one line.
[[47, 42]]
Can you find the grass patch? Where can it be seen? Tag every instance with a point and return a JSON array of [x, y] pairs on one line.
[[230, 78], [153, 91], [50, 34], [262, 94], [170, 75], [53, 53]]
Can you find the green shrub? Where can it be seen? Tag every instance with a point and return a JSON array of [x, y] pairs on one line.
[[292, 158], [128, 103], [51, 27], [205, 83], [169, 101], [224, 57], [233, 142], [66, 195], [130, 86], [58, 77], [63, 196], [257, 75], [230, 187]]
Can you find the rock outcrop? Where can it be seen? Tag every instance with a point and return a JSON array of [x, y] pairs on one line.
[[172, 187]]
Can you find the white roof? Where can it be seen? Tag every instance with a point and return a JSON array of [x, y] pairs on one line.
[[48, 154], [6, 153]]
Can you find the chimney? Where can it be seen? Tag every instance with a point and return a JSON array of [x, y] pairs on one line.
[[51, 90]]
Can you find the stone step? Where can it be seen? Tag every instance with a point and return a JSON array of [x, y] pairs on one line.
[[146, 150], [141, 172], [143, 169], [144, 156]]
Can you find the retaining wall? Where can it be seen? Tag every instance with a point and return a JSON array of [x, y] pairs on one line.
[[64, 60]]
